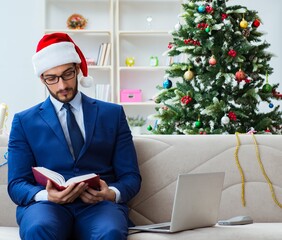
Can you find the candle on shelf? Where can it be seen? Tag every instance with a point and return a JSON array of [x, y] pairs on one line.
[[3, 113]]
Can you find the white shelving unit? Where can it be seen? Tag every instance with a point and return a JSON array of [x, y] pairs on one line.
[[99, 29], [137, 28], [142, 30]]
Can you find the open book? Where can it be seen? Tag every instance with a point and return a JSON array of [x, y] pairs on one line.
[[42, 175]]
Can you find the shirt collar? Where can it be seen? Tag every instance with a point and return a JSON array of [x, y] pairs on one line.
[[75, 102]]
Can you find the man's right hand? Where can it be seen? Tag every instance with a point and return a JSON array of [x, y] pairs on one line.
[[68, 195]]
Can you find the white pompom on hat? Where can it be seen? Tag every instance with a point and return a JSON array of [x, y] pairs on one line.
[[56, 49]]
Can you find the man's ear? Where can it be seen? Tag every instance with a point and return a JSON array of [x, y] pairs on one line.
[[42, 80]]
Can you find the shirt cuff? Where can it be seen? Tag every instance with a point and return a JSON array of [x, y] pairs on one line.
[[41, 196], [118, 197]]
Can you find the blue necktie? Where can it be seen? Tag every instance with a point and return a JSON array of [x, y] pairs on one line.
[[76, 137]]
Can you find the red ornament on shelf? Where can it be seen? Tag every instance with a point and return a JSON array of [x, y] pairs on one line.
[[256, 23]]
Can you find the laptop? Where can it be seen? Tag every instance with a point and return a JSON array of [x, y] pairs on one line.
[[196, 203]]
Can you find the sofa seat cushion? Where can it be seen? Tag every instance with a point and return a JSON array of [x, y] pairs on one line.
[[256, 231], [9, 233]]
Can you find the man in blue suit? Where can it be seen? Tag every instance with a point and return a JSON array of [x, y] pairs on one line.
[[40, 137]]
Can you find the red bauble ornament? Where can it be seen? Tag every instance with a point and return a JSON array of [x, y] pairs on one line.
[[202, 26], [224, 16], [209, 9], [232, 53], [232, 116], [169, 45], [212, 61], [186, 100], [276, 94], [256, 23], [240, 76]]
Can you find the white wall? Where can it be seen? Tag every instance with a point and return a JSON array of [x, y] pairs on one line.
[[22, 26]]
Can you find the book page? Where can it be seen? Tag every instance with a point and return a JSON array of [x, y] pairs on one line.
[[54, 176], [79, 179]]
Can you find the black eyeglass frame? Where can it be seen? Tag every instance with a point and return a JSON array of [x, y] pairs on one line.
[[66, 76]]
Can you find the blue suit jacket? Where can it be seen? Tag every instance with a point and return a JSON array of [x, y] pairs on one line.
[[37, 139]]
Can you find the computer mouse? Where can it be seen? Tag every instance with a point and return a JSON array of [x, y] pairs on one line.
[[238, 220]]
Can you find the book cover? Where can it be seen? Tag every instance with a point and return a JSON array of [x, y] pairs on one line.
[[42, 175]]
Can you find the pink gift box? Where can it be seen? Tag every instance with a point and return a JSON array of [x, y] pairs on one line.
[[131, 95]]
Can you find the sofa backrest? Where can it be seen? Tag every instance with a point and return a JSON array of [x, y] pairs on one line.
[[7, 207], [161, 158]]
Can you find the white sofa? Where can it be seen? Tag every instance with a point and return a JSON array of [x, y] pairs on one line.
[[162, 157]]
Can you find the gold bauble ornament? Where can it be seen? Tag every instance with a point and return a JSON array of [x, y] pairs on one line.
[[243, 24], [188, 75]]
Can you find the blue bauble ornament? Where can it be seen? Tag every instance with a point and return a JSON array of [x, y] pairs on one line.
[[167, 84], [271, 105], [201, 9]]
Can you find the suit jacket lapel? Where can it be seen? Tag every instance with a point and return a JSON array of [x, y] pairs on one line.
[[49, 115]]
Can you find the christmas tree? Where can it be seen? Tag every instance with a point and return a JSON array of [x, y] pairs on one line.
[[218, 75]]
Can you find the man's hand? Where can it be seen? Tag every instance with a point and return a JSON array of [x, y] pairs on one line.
[[68, 195], [93, 196]]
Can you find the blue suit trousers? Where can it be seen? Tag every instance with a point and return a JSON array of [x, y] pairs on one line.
[[76, 221]]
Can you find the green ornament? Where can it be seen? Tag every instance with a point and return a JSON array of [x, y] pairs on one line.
[[149, 128], [267, 88], [207, 29], [198, 124]]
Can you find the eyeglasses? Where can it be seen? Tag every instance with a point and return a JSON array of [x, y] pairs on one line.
[[53, 79]]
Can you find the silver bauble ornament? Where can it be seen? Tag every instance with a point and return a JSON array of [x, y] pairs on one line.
[[225, 120]]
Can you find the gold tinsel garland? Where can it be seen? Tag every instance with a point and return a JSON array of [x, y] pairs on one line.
[[261, 167]]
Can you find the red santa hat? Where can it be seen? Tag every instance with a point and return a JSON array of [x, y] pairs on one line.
[[56, 49]]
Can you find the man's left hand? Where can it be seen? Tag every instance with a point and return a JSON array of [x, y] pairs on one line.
[[91, 195]]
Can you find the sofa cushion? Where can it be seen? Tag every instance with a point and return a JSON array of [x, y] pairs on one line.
[[161, 158], [9, 233], [256, 231], [7, 207]]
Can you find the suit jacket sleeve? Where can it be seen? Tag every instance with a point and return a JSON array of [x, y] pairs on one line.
[[125, 162], [21, 185]]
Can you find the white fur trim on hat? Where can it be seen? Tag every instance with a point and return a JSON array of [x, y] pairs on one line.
[[54, 55]]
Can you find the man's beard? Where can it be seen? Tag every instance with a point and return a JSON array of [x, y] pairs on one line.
[[64, 99]]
